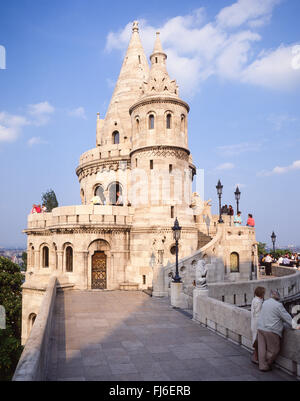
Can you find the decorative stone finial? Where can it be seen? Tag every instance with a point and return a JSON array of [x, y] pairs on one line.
[[98, 116], [135, 26]]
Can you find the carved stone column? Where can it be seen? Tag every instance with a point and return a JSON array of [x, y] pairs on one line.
[[60, 262]]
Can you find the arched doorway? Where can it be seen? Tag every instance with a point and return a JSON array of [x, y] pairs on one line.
[[99, 271], [100, 274]]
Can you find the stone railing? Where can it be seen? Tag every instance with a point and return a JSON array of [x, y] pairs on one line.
[[83, 214], [187, 269], [240, 293], [33, 362], [104, 152], [234, 323]]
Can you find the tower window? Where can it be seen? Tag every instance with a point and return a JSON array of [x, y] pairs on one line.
[[182, 125], [151, 121], [116, 137], [234, 262], [172, 212], [169, 120], [170, 168], [156, 60], [151, 164], [139, 59], [137, 125], [69, 259], [45, 256], [144, 279]]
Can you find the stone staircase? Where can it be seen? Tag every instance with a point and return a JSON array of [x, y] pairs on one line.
[[203, 239]]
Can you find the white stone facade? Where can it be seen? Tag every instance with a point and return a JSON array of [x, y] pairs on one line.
[[142, 152]]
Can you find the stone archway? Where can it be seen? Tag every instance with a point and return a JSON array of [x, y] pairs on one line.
[[99, 265]]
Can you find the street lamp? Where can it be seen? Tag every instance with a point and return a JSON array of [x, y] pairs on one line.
[[273, 238], [219, 190], [237, 198], [176, 234]]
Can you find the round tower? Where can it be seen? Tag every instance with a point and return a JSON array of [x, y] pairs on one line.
[[161, 165]]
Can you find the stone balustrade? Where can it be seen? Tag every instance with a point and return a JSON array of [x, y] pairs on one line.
[[241, 293], [104, 152], [80, 215], [234, 323], [32, 365]]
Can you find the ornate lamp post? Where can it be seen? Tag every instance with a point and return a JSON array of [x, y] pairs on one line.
[[176, 234], [237, 198], [273, 238], [219, 190]]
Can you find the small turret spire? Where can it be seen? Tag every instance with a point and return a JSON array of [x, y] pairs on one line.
[[157, 45], [135, 26]]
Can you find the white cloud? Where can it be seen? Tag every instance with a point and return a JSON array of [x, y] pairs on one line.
[[222, 47], [281, 170], [253, 12], [225, 166], [280, 120], [273, 69], [237, 149], [36, 140], [11, 126], [40, 112], [78, 112]]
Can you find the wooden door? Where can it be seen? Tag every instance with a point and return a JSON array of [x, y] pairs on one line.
[[99, 271]]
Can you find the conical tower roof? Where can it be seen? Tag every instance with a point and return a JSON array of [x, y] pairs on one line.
[[159, 82], [134, 71]]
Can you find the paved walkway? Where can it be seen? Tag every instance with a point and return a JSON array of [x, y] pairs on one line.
[[130, 336]]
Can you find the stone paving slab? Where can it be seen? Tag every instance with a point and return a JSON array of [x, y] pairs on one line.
[[129, 336]]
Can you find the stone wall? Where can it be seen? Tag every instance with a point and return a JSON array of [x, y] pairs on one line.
[[241, 293], [33, 362], [234, 323]]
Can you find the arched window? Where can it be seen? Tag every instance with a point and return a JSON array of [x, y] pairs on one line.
[[182, 123], [116, 137], [115, 194], [137, 125], [151, 121], [31, 320], [69, 259], [234, 262], [82, 195], [45, 256], [169, 121], [31, 261], [99, 191]]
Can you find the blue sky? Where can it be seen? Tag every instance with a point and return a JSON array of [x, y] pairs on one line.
[[237, 64]]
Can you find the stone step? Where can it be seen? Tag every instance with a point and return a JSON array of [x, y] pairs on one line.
[[129, 286]]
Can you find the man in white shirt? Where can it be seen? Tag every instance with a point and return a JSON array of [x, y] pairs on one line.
[[269, 330]]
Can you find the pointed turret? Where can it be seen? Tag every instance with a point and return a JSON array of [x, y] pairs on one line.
[[134, 71], [159, 82]]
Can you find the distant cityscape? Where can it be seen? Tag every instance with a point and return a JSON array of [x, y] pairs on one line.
[[14, 254]]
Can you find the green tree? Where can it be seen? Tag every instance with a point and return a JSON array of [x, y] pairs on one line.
[[261, 248], [49, 200], [11, 298]]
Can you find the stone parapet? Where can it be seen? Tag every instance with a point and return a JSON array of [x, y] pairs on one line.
[[32, 365], [75, 216], [234, 323], [241, 292]]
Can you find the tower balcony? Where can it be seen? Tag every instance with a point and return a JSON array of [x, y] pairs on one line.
[[82, 215]]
